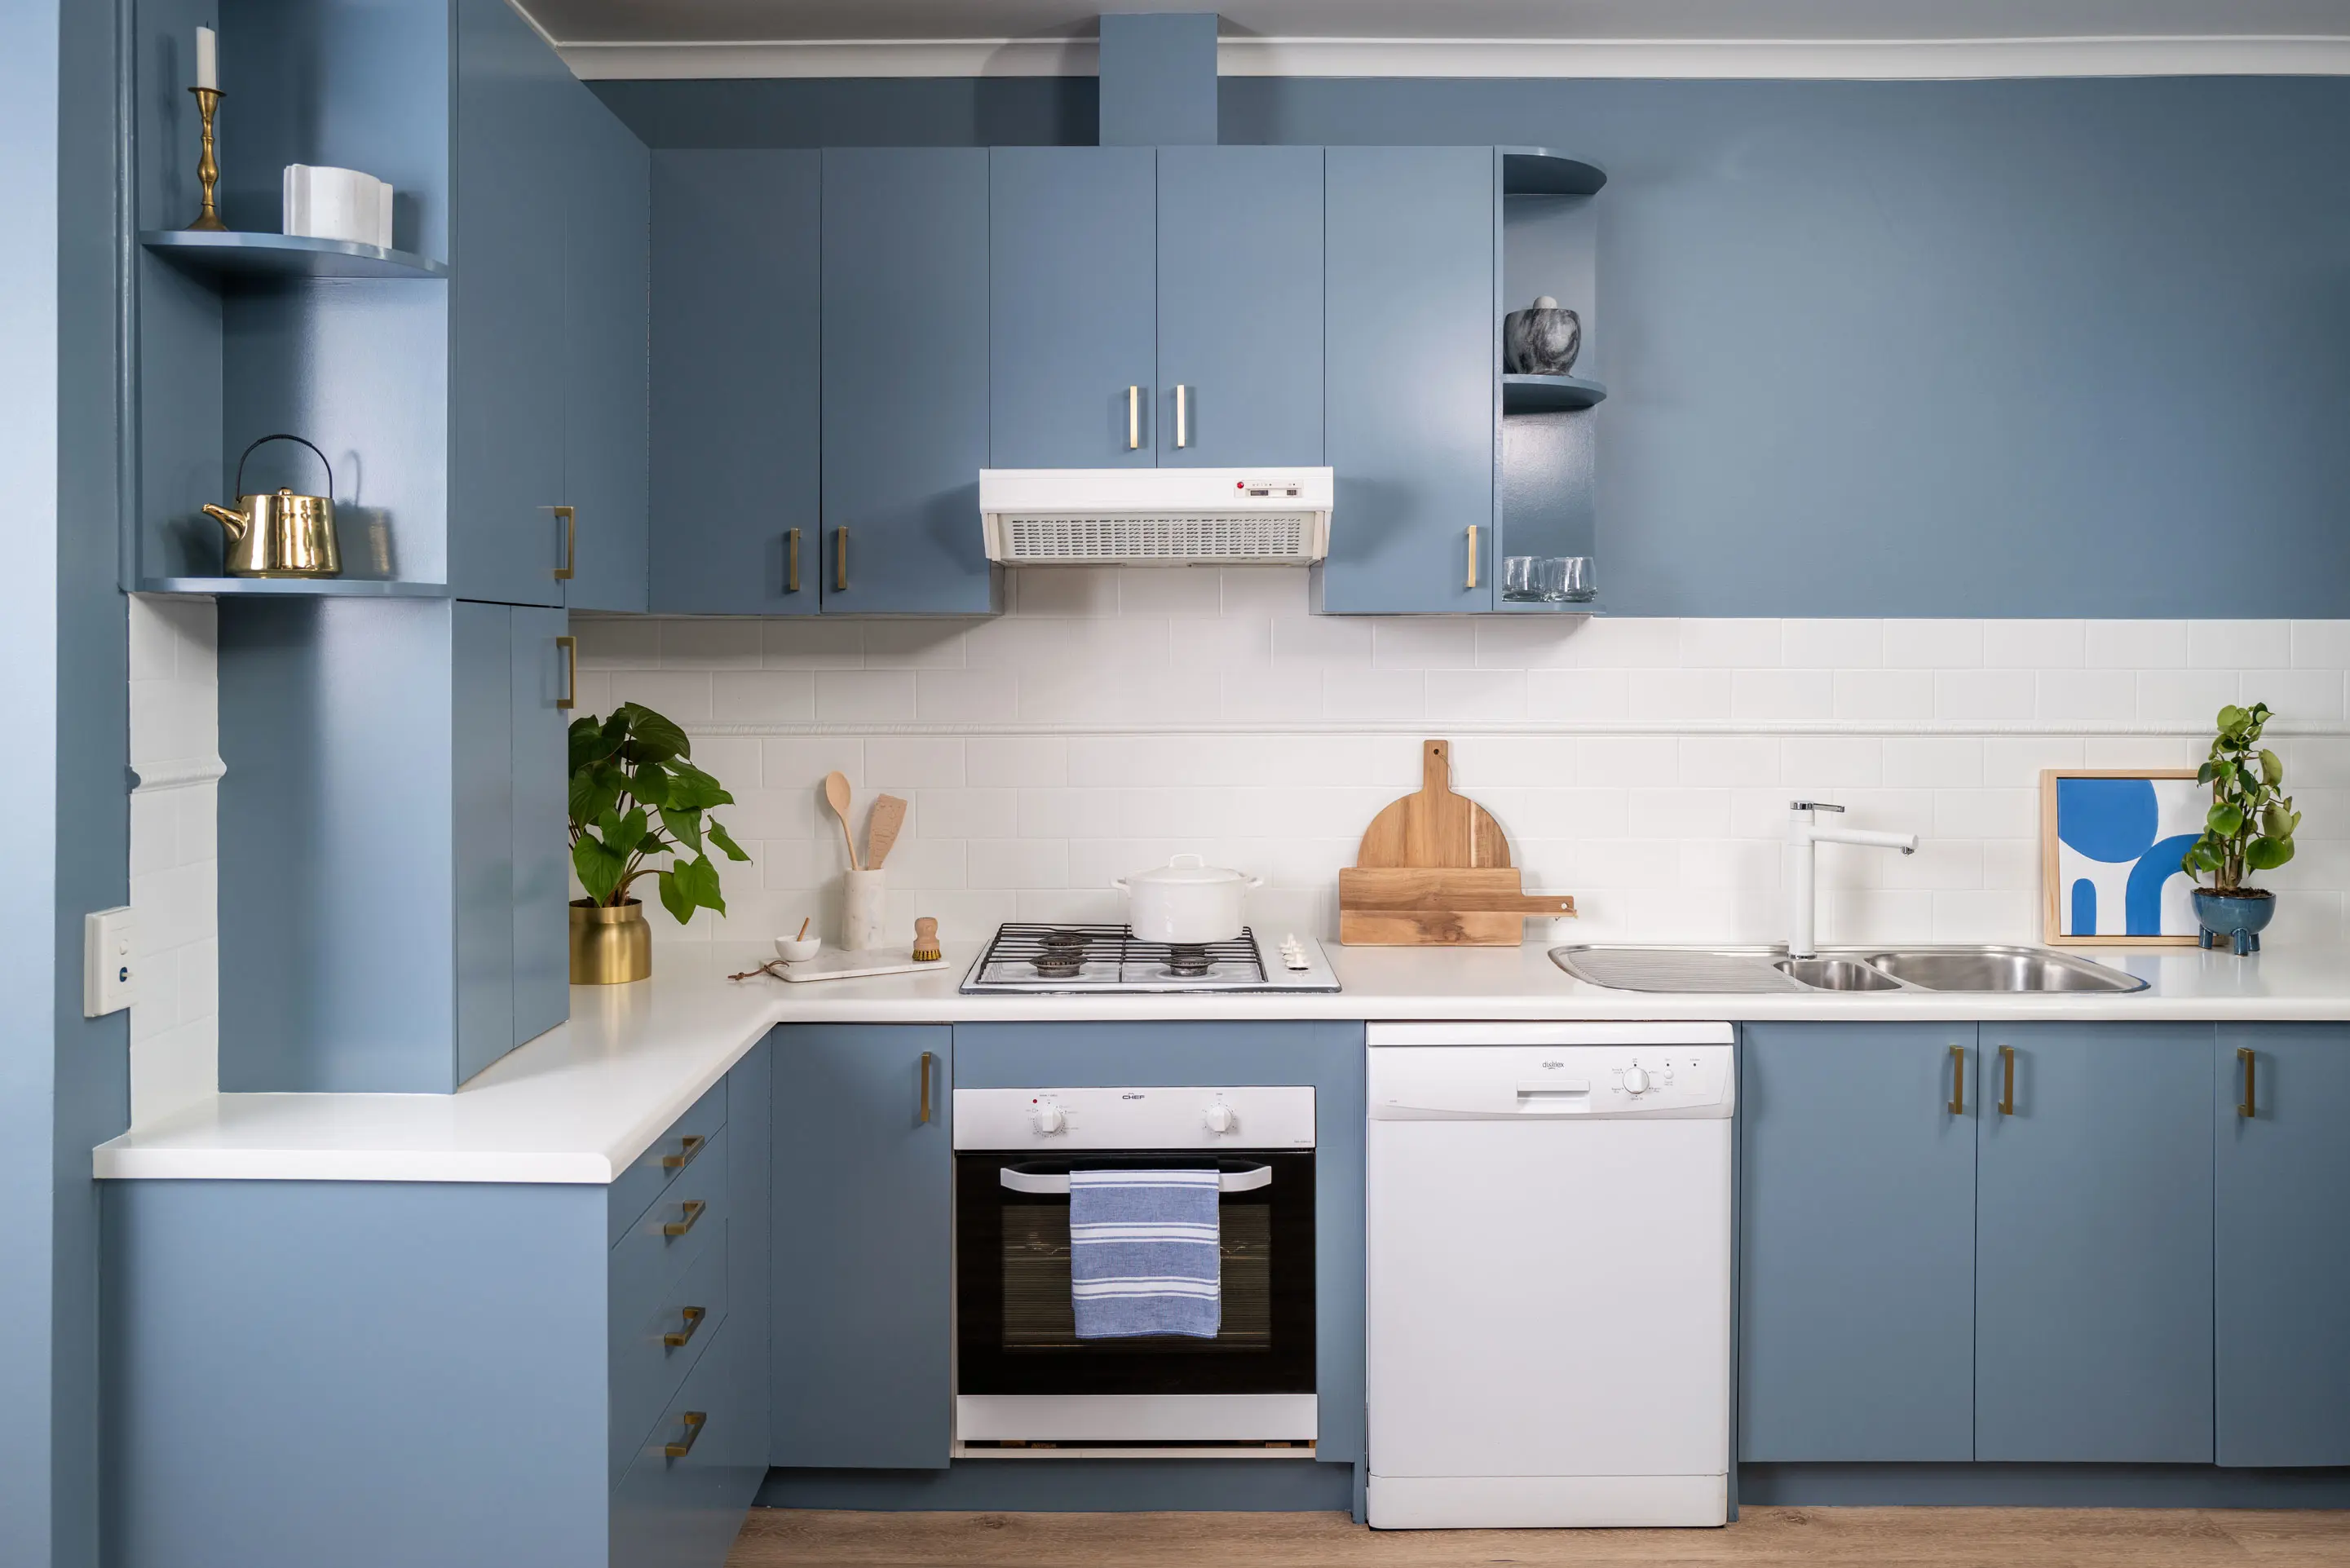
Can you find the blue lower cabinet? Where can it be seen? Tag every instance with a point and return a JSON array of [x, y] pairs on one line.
[[1857, 1219], [862, 1186], [2093, 1243], [681, 1503], [2282, 1100]]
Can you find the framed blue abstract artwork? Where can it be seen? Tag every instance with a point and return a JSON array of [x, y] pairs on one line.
[[2110, 840]]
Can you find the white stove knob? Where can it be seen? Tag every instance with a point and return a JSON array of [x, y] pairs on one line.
[[1636, 1080], [1220, 1118], [1052, 1119]]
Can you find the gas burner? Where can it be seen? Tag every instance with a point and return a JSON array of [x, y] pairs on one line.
[[1185, 961], [1038, 958], [1061, 963], [1073, 940]]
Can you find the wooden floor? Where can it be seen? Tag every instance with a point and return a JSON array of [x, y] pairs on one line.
[[1941, 1537]]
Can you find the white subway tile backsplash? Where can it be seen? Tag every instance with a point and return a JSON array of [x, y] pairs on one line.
[[1680, 696], [1424, 642], [761, 696], [1832, 644], [2036, 644], [1986, 694], [1884, 694], [1773, 694], [1578, 696], [1171, 590], [880, 696], [2137, 644], [1738, 644], [1933, 644], [2238, 644], [2091, 694], [709, 644]]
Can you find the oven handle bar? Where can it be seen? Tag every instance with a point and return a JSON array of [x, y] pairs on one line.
[[1248, 1180]]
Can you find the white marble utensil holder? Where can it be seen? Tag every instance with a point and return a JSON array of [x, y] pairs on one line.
[[863, 909]]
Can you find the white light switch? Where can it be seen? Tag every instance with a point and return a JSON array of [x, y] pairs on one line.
[[107, 978]]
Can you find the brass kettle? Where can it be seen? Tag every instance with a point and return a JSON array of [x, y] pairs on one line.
[[281, 534]]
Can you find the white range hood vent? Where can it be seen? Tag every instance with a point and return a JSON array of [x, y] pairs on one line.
[[1156, 517]]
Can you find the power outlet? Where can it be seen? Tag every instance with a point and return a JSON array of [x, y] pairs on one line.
[[108, 980]]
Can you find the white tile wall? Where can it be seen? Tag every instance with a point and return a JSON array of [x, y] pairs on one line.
[[174, 854], [1116, 717]]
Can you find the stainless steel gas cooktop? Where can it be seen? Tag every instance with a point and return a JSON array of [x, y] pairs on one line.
[[1112, 959]]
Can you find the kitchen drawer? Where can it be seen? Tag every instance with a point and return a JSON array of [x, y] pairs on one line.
[[670, 1235], [646, 1367], [685, 1510], [634, 1189]]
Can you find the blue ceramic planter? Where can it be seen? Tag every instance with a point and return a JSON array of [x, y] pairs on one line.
[[2238, 921]]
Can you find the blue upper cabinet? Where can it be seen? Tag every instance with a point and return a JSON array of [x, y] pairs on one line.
[[607, 303], [905, 381], [1413, 401], [2281, 1093], [2093, 1252], [1072, 358], [1240, 307], [737, 331], [508, 355], [1856, 1173]]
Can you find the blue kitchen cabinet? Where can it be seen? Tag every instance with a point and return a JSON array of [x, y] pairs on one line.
[[1857, 1194], [2281, 1182], [1413, 401], [541, 766], [606, 376], [2093, 1243], [1240, 279], [737, 331], [863, 1181], [905, 381], [1071, 332]]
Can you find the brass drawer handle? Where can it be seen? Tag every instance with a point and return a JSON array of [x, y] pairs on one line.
[[571, 543], [688, 1147], [791, 560], [2249, 1104], [695, 1421], [927, 1059], [1472, 555], [1183, 416], [570, 647], [693, 1316], [2007, 1080], [1958, 1080], [840, 559], [693, 1208]]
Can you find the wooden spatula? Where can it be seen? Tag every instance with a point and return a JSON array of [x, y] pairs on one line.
[[882, 831]]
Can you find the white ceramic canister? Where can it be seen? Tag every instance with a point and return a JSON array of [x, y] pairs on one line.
[[864, 910], [1187, 900]]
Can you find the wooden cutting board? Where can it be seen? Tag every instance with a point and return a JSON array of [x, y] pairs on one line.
[[1435, 826], [1403, 906]]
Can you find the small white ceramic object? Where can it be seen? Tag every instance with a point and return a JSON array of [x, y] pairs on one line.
[[797, 949], [1186, 901], [863, 909]]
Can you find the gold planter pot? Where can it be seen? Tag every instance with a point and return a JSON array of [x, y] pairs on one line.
[[609, 945]]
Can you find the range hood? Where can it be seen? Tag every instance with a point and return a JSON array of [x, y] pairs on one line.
[[1156, 517]]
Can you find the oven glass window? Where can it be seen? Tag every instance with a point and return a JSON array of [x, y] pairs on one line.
[[1037, 1315]]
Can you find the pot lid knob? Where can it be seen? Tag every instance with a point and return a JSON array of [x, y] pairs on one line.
[[1545, 301]]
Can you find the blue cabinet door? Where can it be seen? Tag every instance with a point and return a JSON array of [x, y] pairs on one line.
[[2282, 1185], [862, 1302], [737, 332], [1413, 391], [1240, 307], [1856, 1195], [541, 831], [905, 381], [2093, 1260], [1072, 343], [608, 304], [506, 357], [482, 773]]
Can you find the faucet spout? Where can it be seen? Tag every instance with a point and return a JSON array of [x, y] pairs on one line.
[[1805, 831]]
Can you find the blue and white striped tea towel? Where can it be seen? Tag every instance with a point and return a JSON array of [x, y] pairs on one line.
[[1143, 1253]]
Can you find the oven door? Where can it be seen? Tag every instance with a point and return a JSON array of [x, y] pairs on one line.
[[1015, 1327]]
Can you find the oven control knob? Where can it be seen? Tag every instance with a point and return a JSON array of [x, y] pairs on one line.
[[1052, 1119], [1220, 1118], [1636, 1080]]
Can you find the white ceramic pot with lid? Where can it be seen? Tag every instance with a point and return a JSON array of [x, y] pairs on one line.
[[1186, 901]]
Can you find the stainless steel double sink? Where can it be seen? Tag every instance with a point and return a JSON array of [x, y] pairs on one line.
[[1963, 968]]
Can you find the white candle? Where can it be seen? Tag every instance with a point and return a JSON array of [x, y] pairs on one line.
[[207, 58]]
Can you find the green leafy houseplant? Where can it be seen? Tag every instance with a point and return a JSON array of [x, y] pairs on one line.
[[635, 796], [2251, 823]]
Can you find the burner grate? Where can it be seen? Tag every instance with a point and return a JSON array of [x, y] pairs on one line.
[[1113, 955]]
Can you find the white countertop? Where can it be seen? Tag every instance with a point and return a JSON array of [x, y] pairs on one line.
[[579, 1103]]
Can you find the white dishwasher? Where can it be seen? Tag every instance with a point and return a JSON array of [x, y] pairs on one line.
[[1550, 1254]]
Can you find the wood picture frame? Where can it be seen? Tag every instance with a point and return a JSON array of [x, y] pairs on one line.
[[2052, 913]]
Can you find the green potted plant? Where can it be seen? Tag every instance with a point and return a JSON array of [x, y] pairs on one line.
[[2248, 829], [638, 809]]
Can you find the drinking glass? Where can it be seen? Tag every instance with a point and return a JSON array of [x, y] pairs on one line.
[[1566, 580], [1520, 578]]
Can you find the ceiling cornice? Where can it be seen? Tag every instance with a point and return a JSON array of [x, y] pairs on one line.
[[1914, 60]]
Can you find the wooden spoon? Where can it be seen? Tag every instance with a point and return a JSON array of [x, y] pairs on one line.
[[881, 829], [836, 795]]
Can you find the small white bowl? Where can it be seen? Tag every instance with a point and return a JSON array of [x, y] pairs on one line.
[[797, 949]]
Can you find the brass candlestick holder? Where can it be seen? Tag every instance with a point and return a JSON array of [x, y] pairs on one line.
[[207, 167]]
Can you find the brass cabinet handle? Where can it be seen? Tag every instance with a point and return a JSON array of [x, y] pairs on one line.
[[2007, 1080], [1183, 415], [1472, 555], [694, 1208], [1958, 1080], [570, 544], [2248, 1106], [693, 1316], [695, 1421], [840, 559], [1133, 418], [927, 1059], [570, 647], [688, 1147], [791, 560]]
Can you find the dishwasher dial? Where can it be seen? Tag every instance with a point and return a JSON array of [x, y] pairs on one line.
[[1220, 1118], [1052, 1119], [1636, 1080]]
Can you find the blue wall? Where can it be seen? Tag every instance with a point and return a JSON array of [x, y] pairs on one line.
[[2030, 348]]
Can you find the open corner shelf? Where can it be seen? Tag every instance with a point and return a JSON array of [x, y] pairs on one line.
[[234, 254], [1539, 172], [1548, 394], [1549, 606], [295, 587]]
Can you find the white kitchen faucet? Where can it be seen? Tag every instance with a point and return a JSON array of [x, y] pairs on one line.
[[1803, 828]]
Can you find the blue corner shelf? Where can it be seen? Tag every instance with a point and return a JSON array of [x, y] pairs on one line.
[[295, 587], [231, 254], [1548, 394], [1549, 606], [1539, 172]]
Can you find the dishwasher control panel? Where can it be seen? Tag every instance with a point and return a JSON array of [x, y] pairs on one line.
[[1672, 1073]]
